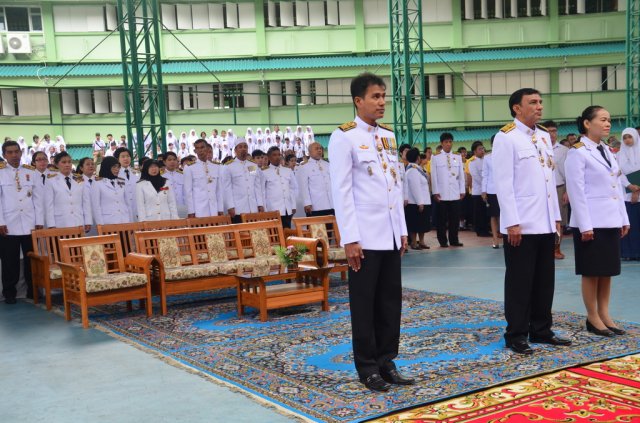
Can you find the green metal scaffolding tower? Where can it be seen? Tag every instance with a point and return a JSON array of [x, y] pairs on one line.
[[407, 71], [146, 116], [633, 63]]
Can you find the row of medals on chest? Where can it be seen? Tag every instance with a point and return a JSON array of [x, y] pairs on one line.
[[385, 165]]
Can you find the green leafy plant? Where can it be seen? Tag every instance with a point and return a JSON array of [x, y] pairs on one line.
[[291, 255]]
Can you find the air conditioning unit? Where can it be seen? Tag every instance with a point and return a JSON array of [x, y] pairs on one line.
[[18, 43]]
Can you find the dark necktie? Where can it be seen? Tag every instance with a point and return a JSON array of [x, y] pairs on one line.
[[68, 182], [604, 156], [113, 184], [90, 181], [44, 178], [126, 172]]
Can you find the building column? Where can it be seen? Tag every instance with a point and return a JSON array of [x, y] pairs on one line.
[[264, 116], [48, 32], [554, 25], [261, 36], [458, 97], [554, 88], [456, 24], [361, 46]]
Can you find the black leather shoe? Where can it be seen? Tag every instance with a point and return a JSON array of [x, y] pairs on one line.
[[520, 347], [457, 244], [553, 340], [10, 300], [396, 378], [600, 332], [376, 383], [444, 246], [617, 331]]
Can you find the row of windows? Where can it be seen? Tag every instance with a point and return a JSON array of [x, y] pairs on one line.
[[35, 102], [23, 19], [499, 9], [309, 13]]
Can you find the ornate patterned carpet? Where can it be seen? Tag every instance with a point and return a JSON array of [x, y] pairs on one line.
[[601, 392], [300, 359]]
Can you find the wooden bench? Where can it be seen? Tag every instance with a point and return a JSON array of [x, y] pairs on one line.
[[95, 271], [125, 233], [326, 228], [155, 225], [201, 259], [201, 222], [45, 273], [260, 216]]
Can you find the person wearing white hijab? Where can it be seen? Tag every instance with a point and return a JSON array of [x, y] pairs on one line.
[[185, 140], [259, 137], [183, 150], [288, 134], [26, 157], [277, 132], [193, 137], [308, 138], [269, 139], [171, 139], [232, 139], [629, 161], [60, 142]]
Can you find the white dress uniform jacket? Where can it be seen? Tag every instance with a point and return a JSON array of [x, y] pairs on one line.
[[594, 188], [559, 157], [524, 179], [154, 205], [130, 189], [280, 189], [367, 191], [21, 199], [475, 170], [487, 175], [67, 207], [241, 182], [176, 182], [109, 202], [315, 184], [417, 186], [203, 188], [447, 176]]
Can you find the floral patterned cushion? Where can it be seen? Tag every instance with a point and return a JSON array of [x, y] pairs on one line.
[[95, 263], [336, 254], [55, 272], [307, 257], [319, 230], [191, 272], [110, 281], [216, 247], [169, 252], [233, 254], [260, 242], [186, 258]]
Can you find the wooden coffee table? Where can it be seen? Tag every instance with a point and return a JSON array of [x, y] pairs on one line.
[[311, 286]]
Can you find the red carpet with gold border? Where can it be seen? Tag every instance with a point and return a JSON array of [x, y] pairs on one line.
[[608, 391]]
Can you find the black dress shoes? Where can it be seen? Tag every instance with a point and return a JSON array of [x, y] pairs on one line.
[[457, 244], [396, 378], [10, 300], [553, 340], [600, 332], [444, 246], [375, 383], [520, 346], [617, 331]]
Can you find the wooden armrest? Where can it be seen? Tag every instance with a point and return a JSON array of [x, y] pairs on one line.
[[70, 268], [142, 261], [312, 245], [290, 232], [39, 259]]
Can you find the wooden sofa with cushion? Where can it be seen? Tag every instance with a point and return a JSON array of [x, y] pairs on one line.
[[95, 271], [325, 228]]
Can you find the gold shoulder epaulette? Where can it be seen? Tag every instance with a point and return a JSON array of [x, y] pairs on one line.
[[180, 171], [78, 178], [542, 127], [264, 167], [347, 126], [3, 164], [52, 175], [472, 158], [508, 127], [162, 171], [229, 162], [250, 160], [385, 126], [578, 145], [437, 152], [190, 163], [98, 178], [26, 166]]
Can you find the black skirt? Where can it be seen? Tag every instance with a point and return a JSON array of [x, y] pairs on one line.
[[494, 207], [600, 257], [417, 222]]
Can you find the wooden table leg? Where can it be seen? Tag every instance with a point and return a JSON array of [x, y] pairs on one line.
[[263, 301], [239, 295], [325, 290]]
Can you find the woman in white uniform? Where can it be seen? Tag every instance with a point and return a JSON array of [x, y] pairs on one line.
[[108, 197], [67, 197], [154, 197], [418, 209]]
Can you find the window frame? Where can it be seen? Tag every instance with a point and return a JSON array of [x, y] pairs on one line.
[[4, 27]]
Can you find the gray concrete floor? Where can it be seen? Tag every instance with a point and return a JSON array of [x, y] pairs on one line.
[[55, 371]]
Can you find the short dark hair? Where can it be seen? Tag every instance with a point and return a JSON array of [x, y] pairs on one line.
[[109, 135], [360, 83], [81, 164], [570, 134], [199, 141], [35, 136], [121, 150], [257, 153], [446, 136], [9, 143], [272, 149], [289, 157], [587, 114], [475, 145], [461, 149], [35, 156], [170, 153], [413, 155], [492, 138], [549, 124], [403, 147], [516, 97], [60, 156]]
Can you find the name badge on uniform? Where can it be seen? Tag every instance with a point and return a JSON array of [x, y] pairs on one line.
[[364, 147], [28, 177], [29, 193], [251, 169]]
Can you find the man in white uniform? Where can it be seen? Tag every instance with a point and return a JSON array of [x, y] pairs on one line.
[[203, 185], [368, 201], [529, 220], [315, 183], [280, 187], [241, 181], [130, 176], [480, 218]]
